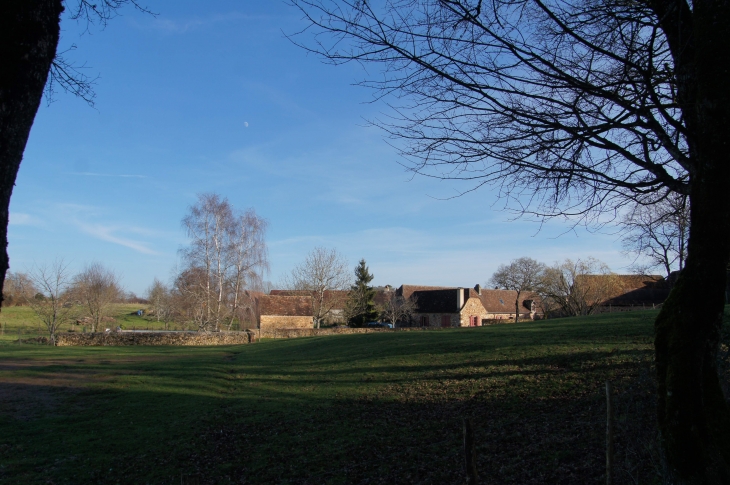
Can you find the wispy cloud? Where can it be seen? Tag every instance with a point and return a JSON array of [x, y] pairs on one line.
[[120, 175], [185, 25], [22, 219], [84, 218], [107, 233]]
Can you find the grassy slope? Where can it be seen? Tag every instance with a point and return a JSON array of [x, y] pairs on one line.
[[376, 408]]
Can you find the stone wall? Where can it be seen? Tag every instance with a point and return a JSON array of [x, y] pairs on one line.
[[316, 332], [270, 322], [154, 338], [434, 319], [472, 308]]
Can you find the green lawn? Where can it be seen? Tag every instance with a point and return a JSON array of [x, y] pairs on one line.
[[21, 322], [372, 408]]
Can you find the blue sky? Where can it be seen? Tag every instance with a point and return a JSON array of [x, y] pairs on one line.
[[211, 97]]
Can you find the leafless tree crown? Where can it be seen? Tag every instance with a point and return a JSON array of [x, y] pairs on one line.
[[227, 255], [54, 302], [97, 288], [569, 107], [658, 232], [521, 275], [324, 272], [73, 78]]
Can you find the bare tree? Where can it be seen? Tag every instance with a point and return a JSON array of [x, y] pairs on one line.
[[18, 289], [248, 259], [227, 253], [160, 300], [577, 108], [659, 232], [522, 274], [324, 273], [97, 288], [189, 294], [398, 309], [54, 302], [577, 287]]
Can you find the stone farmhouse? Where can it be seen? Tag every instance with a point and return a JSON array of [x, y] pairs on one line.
[[277, 311], [466, 307]]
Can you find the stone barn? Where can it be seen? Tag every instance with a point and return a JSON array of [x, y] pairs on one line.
[[445, 307], [279, 311]]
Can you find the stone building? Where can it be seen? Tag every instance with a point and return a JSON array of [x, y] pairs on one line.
[[277, 311], [500, 304], [465, 307]]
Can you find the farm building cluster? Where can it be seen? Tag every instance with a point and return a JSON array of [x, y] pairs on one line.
[[440, 306]]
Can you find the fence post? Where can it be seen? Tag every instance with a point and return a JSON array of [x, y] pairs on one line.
[[609, 433], [470, 453]]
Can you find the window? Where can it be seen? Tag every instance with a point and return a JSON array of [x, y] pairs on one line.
[[424, 321]]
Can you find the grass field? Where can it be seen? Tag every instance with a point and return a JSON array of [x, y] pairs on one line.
[[18, 322], [374, 408]]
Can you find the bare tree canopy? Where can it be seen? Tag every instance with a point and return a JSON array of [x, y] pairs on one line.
[[398, 309], [18, 289], [570, 107], [520, 275], [324, 273], [658, 232], [97, 287], [577, 287], [160, 301], [54, 304], [226, 256], [574, 108]]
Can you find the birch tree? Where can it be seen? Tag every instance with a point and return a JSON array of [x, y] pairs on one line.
[[227, 252]]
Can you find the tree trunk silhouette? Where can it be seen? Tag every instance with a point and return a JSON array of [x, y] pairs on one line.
[[29, 32]]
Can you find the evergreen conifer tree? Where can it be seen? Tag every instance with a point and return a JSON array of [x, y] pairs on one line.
[[360, 305]]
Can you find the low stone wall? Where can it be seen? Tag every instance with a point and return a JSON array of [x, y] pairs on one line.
[[154, 338], [316, 332]]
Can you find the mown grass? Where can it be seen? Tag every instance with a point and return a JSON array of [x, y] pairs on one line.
[[373, 408]]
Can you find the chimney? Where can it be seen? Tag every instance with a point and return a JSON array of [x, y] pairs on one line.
[[459, 298], [478, 289]]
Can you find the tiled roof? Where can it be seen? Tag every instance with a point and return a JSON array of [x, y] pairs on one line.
[[407, 290], [503, 301], [334, 299], [634, 290], [287, 306], [436, 301]]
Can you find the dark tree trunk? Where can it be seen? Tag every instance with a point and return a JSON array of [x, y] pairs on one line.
[[694, 417], [29, 31]]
